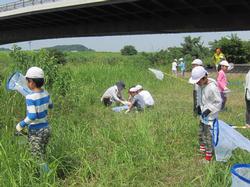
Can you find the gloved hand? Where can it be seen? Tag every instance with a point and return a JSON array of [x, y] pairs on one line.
[[19, 128], [205, 113], [204, 120], [198, 109]]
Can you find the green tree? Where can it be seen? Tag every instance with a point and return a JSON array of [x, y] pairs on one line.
[[246, 46], [233, 48], [59, 56], [174, 53], [128, 50], [194, 47]]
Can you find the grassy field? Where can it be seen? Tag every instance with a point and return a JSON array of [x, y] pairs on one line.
[[93, 146]]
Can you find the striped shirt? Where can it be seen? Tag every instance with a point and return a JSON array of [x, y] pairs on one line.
[[37, 104]]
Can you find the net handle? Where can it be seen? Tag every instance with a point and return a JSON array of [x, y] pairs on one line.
[[215, 135], [237, 166]]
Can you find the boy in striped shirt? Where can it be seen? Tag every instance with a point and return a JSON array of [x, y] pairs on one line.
[[37, 104]]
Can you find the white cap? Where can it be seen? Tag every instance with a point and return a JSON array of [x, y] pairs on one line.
[[138, 87], [224, 63], [181, 59], [175, 60], [197, 62], [197, 74], [133, 89], [34, 73]]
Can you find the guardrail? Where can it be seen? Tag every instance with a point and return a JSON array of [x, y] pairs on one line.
[[238, 68], [22, 4]]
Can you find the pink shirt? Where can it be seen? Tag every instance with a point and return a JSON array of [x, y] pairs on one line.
[[221, 80]]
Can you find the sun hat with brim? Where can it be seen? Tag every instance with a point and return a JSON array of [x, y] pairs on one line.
[[138, 87], [224, 63], [133, 89], [197, 62], [197, 74]]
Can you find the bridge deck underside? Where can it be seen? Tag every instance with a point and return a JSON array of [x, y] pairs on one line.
[[128, 17]]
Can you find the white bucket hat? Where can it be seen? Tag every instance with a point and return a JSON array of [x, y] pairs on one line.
[[133, 89], [224, 63], [34, 73], [138, 87], [197, 62], [197, 74]]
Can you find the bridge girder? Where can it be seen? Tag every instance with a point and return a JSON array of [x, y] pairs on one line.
[[119, 17]]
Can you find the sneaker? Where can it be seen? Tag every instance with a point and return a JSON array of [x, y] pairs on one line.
[[202, 149], [208, 156]]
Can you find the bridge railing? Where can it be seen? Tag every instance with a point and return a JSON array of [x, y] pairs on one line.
[[22, 3]]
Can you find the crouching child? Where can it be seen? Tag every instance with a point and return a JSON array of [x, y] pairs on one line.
[[136, 100], [37, 104], [208, 106]]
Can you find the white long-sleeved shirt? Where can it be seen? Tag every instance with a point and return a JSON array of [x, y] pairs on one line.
[[210, 98], [247, 86], [147, 97], [112, 93]]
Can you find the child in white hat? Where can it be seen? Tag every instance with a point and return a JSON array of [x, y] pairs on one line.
[[37, 103], [136, 100], [222, 81], [209, 105]]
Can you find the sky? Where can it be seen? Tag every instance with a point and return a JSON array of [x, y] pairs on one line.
[[153, 42]]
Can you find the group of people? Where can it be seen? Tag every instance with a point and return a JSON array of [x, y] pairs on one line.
[[138, 98], [209, 99], [178, 63]]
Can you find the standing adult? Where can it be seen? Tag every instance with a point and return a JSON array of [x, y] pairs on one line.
[[218, 57], [114, 94], [222, 81], [174, 67], [247, 99], [195, 63]]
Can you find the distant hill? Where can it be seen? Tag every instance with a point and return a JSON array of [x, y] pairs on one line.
[[4, 49], [70, 48]]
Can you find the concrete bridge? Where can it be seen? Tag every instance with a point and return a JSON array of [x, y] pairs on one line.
[[72, 18]]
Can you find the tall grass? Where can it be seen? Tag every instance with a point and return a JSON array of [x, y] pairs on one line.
[[93, 146]]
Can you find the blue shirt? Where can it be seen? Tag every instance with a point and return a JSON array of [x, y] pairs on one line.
[[182, 66], [37, 104]]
